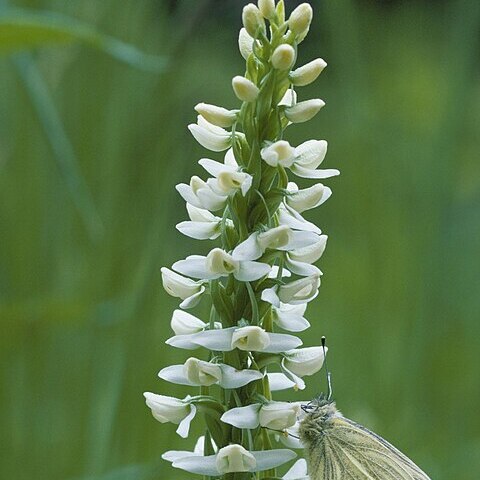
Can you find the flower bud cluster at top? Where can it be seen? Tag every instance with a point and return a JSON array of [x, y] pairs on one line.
[[261, 273]]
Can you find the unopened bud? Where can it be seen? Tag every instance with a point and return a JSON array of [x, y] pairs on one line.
[[307, 73], [267, 8], [283, 57], [304, 111], [244, 89], [245, 43], [300, 19], [252, 20], [219, 116]]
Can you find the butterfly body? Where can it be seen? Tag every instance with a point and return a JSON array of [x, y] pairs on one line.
[[338, 448]]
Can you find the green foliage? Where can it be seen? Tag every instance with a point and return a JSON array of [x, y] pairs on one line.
[[26, 29], [83, 321]]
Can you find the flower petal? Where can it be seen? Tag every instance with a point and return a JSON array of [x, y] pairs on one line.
[[298, 471], [192, 301], [308, 173], [272, 458], [270, 295], [195, 266], [310, 154], [290, 317], [279, 381], [249, 271], [197, 464], [279, 342], [219, 340], [288, 216], [187, 194], [249, 249], [215, 168], [243, 417], [173, 455], [184, 425], [301, 268], [174, 374], [300, 239], [233, 378], [200, 230]]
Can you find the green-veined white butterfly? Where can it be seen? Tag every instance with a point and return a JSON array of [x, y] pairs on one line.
[[339, 449]]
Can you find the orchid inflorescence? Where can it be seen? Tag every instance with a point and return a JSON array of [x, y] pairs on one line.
[[261, 275]]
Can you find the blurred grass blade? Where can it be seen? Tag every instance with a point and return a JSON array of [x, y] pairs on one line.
[[62, 148], [127, 472], [22, 29]]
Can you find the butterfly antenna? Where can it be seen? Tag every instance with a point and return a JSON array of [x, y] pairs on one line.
[[329, 375]]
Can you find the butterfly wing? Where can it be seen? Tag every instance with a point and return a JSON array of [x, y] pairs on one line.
[[349, 451]]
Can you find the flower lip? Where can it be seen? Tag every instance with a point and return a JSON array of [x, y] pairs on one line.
[[250, 338], [235, 458], [278, 153]]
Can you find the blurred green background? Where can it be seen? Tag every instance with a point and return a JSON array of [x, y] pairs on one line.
[[91, 148]]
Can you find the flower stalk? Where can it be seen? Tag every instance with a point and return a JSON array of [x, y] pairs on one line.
[[259, 275]]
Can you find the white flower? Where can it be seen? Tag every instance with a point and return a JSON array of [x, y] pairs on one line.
[[300, 261], [198, 372], [277, 238], [302, 160], [184, 323], [244, 89], [308, 156], [272, 415], [297, 292], [310, 253], [170, 409], [219, 116], [280, 381], [307, 73], [252, 20], [307, 198], [203, 225], [302, 361], [298, 471], [290, 217], [300, 19], [229, 178], [202, 194], [267, 8], [291, 436], [245, 43], [229, 459], [250, 338], [181, 287], [210, 136], [304, 111], [235, 458], [278, 153], [283, 57], [219, 263], [290, 317]]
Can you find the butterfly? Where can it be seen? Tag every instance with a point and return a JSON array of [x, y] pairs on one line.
[[338, 448]]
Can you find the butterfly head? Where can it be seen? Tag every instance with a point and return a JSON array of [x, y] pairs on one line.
[[317, 404]]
